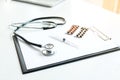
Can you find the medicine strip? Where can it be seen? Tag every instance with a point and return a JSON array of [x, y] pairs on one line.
[[82, 32], [100, 34], [72, 29]]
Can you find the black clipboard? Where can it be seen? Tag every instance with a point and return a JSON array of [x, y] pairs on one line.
[[25, 70]]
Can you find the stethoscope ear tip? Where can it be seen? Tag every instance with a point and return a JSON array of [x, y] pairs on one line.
[[47, 52]]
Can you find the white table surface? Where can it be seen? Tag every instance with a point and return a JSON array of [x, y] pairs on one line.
[[105, 67]]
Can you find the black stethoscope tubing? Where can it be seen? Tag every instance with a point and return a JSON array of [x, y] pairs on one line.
[[44, 18], [44, 28]]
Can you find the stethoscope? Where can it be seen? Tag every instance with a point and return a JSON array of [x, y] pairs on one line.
[[48, 23]]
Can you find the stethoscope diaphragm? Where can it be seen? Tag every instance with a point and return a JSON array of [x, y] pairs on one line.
[[48, 52]]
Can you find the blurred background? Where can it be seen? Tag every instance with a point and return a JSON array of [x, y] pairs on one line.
[[111, 5]]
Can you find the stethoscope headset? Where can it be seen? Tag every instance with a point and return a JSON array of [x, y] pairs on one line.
[[49, 24]]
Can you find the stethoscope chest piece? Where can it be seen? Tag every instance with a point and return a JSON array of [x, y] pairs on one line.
[[48, 50]]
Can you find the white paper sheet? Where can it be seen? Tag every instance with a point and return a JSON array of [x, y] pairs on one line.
[[71, 48]]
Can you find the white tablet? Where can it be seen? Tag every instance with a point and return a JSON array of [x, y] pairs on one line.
[[48, 3]]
